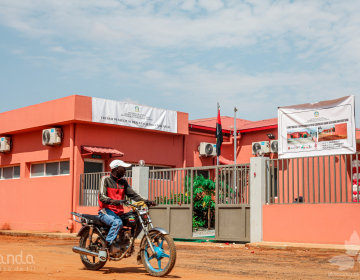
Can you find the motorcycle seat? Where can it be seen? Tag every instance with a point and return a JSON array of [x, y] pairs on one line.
[[94, 219]]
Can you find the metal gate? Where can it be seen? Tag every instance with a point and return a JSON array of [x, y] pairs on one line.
[[232, 208], [173, 191], [170, 189], [90, 184]]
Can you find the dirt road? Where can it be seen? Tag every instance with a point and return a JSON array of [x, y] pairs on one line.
[[53, 258]]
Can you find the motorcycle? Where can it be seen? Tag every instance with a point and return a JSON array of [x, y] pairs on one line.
[[157, 248]]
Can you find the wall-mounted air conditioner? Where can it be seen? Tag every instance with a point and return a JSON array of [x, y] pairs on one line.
[[207, 150], [52, 137], [5, 144], [263, 146], [274, 146]]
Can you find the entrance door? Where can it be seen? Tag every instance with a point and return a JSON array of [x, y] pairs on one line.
[[91, 181], [93, 166]]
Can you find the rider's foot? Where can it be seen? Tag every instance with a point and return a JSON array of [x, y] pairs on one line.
[[103, 251], [103, 255]]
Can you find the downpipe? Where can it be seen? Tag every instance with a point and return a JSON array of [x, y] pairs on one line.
[[83, 251]]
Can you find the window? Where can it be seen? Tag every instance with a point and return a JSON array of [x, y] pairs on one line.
[[50, 169], [64, 167], [11, 172], [93, 166]]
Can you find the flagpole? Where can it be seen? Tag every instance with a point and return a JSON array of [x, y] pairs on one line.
[[217, 111], [234, 172], [235, 134]]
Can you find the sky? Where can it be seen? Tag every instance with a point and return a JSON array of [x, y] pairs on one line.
[[183, 55]]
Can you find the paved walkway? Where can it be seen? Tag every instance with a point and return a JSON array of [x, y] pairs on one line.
[[301, 246], [57, 235], [260, 245]]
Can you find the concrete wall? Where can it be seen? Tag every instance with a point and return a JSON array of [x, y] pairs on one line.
[[310, 223], [41, 203], [193, 141], [327, 223]]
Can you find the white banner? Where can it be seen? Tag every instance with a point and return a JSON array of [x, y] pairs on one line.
[[127, 114], [317, 129]]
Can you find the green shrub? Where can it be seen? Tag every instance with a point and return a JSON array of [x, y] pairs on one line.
[[203, 202]]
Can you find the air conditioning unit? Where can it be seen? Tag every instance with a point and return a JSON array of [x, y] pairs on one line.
[[263, 146], [207, 149], [5, 144], [274, 146], [52, 137]]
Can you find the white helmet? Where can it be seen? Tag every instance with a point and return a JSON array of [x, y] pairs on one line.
[[116, 163]]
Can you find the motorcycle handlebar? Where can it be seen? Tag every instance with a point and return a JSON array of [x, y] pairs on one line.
[[128, 203]]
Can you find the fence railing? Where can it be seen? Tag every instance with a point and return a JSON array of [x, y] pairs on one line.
[[233, 186], [322, 179], [176, 185], [89, 187], [230, 184]]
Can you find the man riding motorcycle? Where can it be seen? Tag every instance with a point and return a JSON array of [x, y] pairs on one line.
[[112, 192]]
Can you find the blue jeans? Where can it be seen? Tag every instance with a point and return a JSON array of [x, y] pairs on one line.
[[112, 220]]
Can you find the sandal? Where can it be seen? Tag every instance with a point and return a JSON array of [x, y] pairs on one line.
[[103, 256]]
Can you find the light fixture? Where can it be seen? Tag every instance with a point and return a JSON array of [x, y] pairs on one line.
[[141, 163], [271, 136]]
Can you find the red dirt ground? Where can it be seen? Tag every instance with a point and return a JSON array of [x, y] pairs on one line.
[[53, 258]]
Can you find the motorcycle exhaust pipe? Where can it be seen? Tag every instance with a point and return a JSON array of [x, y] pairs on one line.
[[84, 251]]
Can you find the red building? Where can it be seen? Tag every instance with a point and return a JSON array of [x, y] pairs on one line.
[[45, 180]]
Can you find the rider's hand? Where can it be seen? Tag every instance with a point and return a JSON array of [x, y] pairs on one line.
[[116, 202], [139, 203], [150, 203]]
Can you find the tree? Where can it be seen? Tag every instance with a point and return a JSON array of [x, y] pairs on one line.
[[204, 190], [204, 204]]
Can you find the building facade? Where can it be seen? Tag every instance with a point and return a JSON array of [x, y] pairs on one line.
[[40, 185]]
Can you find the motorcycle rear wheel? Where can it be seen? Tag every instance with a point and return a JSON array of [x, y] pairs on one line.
[[91, 263], [161, 264]]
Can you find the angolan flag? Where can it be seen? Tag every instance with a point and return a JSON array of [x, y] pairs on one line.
[[219, 136]]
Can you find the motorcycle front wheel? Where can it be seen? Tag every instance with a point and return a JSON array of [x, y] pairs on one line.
[[162, 262]]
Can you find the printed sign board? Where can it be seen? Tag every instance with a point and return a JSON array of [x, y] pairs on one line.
[[127, 114], [317, 129]]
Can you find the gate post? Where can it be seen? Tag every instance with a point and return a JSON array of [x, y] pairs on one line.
[[257, 178], [140, 180], [140, 183]]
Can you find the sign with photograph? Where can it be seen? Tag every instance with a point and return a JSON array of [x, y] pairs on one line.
[[127, 114], [316, 129]]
